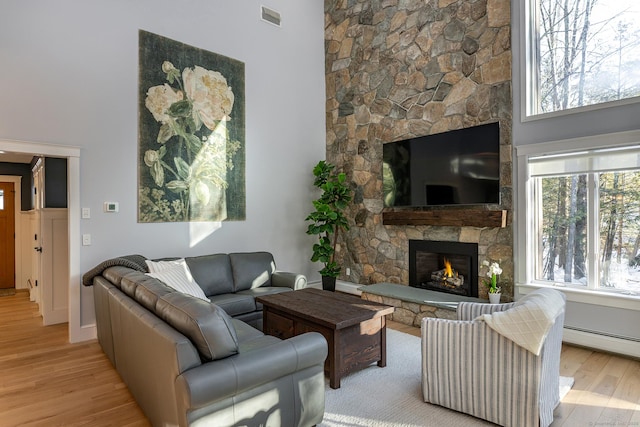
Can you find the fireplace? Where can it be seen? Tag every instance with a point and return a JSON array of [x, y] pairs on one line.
[[450, 267]]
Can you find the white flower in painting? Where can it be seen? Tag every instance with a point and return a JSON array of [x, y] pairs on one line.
[[211, 96], [167, 67], [159, 99], [152, 159]]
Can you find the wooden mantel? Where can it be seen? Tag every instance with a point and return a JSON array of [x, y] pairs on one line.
[[448, 217]]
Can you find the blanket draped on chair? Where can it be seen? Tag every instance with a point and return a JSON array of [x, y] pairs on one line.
[[528, 322]]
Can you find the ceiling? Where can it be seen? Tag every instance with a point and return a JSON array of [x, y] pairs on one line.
[[15, 157]]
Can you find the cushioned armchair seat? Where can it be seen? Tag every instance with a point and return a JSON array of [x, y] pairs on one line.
[[470, 367]]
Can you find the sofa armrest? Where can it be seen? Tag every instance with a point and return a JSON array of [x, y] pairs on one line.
[[228, 377], [288, 280], [471, 310]]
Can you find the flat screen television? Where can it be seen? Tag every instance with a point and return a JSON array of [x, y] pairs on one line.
[[460, 167]]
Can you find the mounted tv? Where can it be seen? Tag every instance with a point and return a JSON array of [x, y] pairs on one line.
[[460, 167]]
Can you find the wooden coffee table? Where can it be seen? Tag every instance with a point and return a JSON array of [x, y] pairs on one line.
[[355, 329]]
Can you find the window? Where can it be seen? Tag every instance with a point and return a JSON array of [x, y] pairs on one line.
[[581, 53], [584, 218]]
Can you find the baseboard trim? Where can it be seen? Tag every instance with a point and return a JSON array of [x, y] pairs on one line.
[[341, 286], [83, 333], [602, 342]]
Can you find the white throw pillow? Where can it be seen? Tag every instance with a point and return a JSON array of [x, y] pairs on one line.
[[155, 266], [179, 279], [158, 266]]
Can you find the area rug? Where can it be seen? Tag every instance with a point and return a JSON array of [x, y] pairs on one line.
[[392, 396]]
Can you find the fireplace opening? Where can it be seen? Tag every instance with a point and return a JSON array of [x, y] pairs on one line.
[[450, 267]]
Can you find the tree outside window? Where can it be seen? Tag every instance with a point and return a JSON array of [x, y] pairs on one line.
[[564, 223], [583, 52]]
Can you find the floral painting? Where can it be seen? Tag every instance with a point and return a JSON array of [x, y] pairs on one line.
[[191, 147]]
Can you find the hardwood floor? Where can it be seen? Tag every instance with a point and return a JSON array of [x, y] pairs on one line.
[[606, 391], [45, 381]]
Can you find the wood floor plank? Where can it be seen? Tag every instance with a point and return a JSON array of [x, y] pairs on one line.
[[46, 381]]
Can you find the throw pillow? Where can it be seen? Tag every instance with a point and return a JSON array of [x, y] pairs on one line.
[[207, 326], [155, 266], [177, 278]]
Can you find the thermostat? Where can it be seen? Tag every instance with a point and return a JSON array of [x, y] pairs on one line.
[[111, 206]]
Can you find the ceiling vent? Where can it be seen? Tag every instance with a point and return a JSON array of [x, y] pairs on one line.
[[271, 16]]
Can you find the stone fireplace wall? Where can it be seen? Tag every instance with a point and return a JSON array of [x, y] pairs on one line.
[[396, 69]]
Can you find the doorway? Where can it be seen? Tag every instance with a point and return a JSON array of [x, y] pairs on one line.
[[7, 236], [77, 331]]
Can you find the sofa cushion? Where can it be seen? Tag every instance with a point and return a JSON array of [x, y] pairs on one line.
[[130, 281], [115, 274], [180, 280], [212, 273], [149, 291], [207, 326], [256, 292], [252, 269], [235, 304]]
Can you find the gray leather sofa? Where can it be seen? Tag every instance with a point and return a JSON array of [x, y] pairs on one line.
[[189, 362]]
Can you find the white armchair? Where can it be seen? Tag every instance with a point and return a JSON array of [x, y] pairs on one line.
[[469, 367]]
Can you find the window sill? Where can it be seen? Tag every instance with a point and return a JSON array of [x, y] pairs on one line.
[[605, 299]]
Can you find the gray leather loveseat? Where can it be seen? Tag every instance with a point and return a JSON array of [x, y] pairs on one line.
[[191, 362]]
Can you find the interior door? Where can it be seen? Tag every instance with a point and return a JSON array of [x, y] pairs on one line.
[[7, 236]]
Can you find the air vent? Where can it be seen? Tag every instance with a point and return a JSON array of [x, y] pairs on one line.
[[271, 16]]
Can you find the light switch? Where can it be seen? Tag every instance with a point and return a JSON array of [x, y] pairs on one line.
[[86, 239], [86, 213]]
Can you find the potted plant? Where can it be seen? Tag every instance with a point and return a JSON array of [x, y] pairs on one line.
[[328, 219], [493, 272]]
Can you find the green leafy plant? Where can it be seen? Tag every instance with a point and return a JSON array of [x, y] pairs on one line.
[[328, 218]]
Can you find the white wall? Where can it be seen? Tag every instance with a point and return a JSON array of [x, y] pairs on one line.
[[69, 77]]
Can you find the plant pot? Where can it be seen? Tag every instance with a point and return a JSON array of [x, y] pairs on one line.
[[329, 283], [494, 298]]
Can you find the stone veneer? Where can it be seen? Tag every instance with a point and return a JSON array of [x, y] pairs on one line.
[[411, 313], [402, 68]]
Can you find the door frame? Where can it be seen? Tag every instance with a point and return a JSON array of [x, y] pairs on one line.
[[17, 220], [77, 331]]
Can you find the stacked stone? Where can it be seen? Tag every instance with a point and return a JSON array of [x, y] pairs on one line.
[[397, 69]]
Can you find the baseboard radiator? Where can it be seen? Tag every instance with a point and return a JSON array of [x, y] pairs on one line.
[[628, 346]]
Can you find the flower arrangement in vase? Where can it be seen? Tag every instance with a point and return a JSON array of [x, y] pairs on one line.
[[493, 272]]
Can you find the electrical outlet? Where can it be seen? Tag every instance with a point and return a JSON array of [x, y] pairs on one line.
[[86, 239]]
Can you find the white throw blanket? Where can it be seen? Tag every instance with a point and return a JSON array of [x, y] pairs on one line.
[[529, 320]]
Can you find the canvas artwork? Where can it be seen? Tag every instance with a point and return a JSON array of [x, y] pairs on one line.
[[191, 141]]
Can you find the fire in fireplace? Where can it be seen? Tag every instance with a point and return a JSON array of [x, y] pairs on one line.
[[450, 267], [447, 277]]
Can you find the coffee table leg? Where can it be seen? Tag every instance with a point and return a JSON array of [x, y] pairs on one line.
[[335, 365], [334, 380], [383, 344]]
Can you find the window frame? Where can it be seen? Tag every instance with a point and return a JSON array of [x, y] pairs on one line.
[[525, 243], [529, 65]]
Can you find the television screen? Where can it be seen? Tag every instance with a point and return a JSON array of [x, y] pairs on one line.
[[460, 167]]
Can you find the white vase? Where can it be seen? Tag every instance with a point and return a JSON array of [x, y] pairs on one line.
[[494, 298]]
